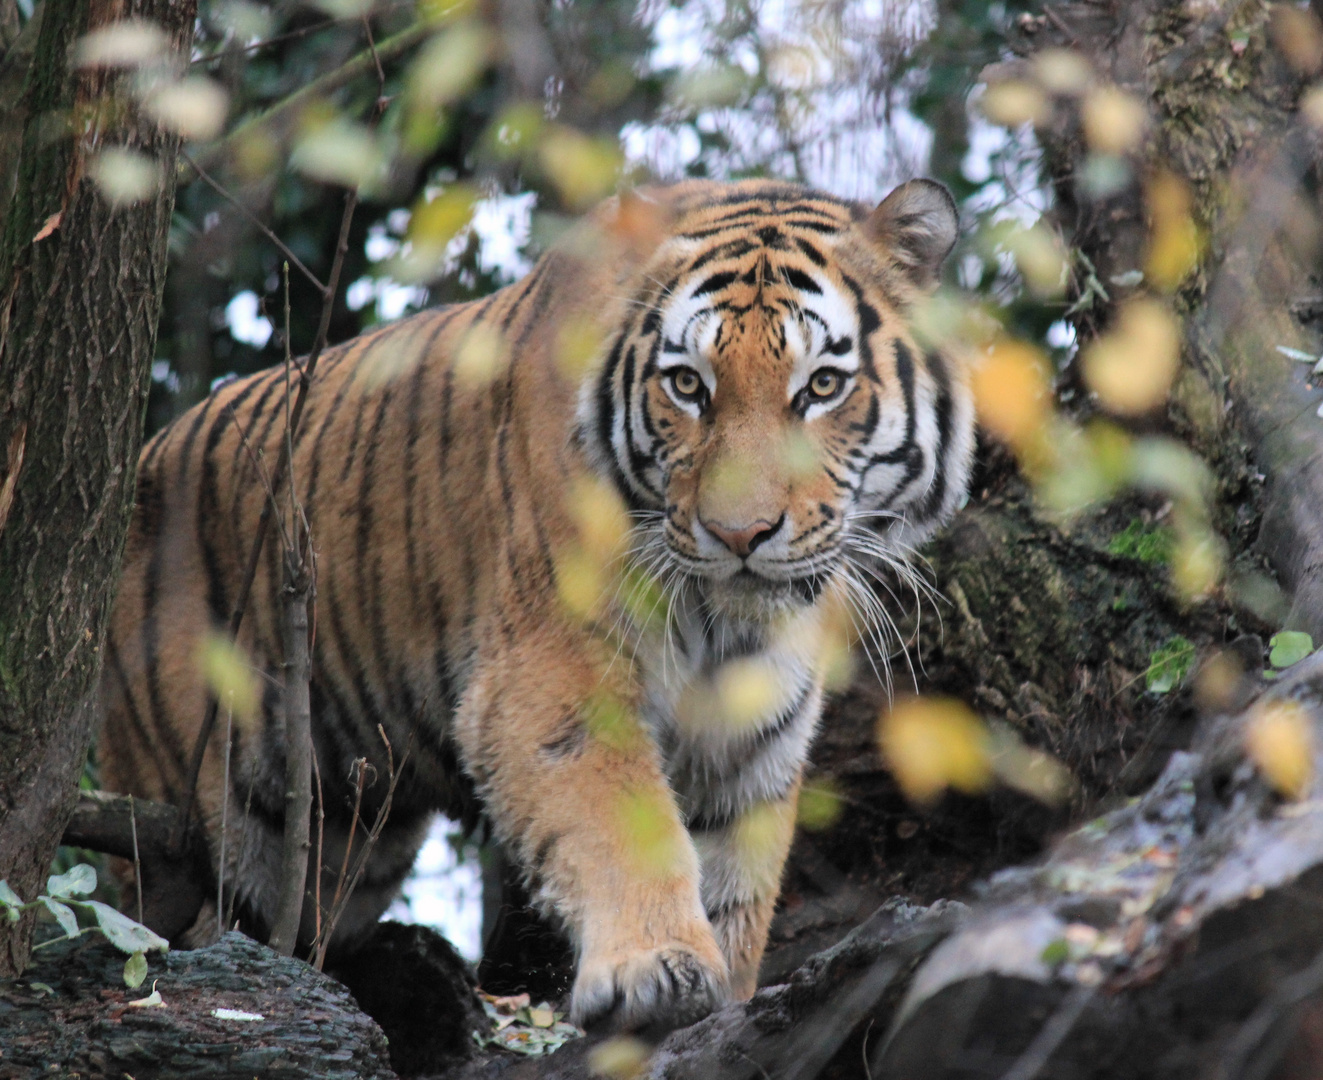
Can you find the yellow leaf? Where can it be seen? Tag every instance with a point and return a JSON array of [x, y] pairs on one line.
[[819, 806], [1041, 258], [1011, 391], [124, 176], [1033, 772], [433, 224], [611, 721], [126, 43], [934, 743], [339, 151], [1196, 564], [1311, 106], [580, 582], [799, 455], [1131, 367], [229, 674], [1113, 120], [583, 169], [600, 518], [1063, 71], [194, 107], [542, 1018], [619, 1058], [449, 65], [1015, 102], [1298, 37], [1280, 741], [747, 691], [482, 355], [654, 840], [578, 343], [1174, 241]]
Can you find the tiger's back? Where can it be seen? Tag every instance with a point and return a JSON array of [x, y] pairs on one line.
[[440, 463]]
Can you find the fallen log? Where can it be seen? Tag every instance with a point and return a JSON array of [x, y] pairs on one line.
[[231, 1011]]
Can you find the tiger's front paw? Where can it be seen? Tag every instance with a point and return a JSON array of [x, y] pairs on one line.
[[653, 990]]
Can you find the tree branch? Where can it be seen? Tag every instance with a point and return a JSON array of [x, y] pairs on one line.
[[279, 120]]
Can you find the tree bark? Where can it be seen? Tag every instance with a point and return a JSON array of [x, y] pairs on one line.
[[80, 293]]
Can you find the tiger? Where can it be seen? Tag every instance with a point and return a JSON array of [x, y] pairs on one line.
[[755, 407]]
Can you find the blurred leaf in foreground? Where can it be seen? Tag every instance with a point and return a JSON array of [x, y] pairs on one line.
[[931, 744]]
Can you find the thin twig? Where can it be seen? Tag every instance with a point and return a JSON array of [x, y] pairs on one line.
[[294, 596], [243, 843], [294, 35], [259, 536], [376, 60], [342, 895], [137, 862], [220, 189], [285, 111], [258, 459], [321, 835], [225, 805]]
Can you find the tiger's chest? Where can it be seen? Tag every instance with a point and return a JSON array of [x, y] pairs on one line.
[[733, 707]]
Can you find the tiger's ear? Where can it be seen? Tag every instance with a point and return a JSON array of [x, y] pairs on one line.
[[917, 224]]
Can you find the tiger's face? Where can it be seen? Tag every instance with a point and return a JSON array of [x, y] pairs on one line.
[[769, 411]]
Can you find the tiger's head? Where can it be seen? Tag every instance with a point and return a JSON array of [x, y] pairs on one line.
[[765, 408]]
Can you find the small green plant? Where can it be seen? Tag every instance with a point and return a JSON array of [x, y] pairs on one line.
[[76, 916], [1148, 544], [1168, 665], [1286, 648]]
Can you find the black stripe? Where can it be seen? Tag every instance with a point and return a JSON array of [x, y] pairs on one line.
[[869, 323], [136, 724], [328, 421], [942, 406], [151, 630], [638, 461], [368, 565], [715, 283], [799, 280], [815, 256], [242, 468], [208, 511]]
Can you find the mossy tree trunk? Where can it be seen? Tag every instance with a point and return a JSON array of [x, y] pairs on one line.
[[80, 294]]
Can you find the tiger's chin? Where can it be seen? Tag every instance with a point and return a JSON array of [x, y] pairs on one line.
[[750, 597]]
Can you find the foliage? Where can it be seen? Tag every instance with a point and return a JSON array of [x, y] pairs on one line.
[[1146, 543], [75, 916], [1289, 647], [524, 1028], [1168, 665]]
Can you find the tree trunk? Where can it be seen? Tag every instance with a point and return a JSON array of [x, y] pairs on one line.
[[80, 293]]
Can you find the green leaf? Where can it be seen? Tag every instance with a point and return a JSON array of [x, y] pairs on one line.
[[78, 881], [135, 970], [9, 899], [63, 915], [1289, 647], [1168, 665], [1055, 953], [121, 931]]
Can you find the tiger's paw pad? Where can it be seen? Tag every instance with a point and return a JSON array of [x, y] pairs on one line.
[[653, 991]]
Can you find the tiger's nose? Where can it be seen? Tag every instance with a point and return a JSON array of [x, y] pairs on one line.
[[745, 540]]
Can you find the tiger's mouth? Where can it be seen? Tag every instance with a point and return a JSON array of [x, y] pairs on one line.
[[751, 594]]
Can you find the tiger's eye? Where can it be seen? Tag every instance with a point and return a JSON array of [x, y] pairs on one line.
[[687, 382], [824, 384]]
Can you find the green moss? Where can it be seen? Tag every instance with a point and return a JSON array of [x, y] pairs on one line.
[[1168, 665], [1147, 544]]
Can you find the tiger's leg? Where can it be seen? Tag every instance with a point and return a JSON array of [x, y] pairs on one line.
[[583, 804], [742, 863]]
